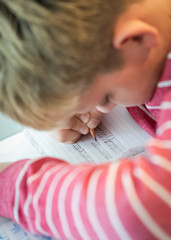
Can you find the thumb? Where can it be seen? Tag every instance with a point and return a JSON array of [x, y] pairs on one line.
[[95, 118]]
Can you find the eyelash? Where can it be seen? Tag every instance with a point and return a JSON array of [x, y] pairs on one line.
[[106, 100]]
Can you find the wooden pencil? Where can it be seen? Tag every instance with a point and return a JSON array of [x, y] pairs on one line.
[[93, 134]]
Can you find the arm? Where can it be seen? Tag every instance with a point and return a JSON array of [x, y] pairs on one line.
[[3, 165], [122, 200]]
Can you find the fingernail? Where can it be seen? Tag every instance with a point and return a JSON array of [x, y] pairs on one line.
[[84, 130], [93, 123], [84, 118]]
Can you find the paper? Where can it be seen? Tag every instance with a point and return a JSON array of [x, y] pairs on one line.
[[117, 136], [12, 231]]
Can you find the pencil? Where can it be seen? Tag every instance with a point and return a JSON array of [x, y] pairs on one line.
[[93, 134]]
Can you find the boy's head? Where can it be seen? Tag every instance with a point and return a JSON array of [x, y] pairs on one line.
[[61, 56]]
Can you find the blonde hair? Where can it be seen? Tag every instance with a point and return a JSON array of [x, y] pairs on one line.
[[50, 52]]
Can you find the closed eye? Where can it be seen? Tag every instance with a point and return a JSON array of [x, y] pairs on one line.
[[106, 100]]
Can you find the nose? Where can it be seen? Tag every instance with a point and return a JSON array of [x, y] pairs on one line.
[[106, 109]]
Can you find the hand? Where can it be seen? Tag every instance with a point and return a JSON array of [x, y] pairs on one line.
[[77, 126]]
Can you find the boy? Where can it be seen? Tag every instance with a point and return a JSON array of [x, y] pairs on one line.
[[72, 60]]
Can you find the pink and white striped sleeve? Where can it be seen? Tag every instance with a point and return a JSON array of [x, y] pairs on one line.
[[127, 200]]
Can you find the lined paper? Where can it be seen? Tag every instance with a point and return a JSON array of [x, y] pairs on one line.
[[117, 135]]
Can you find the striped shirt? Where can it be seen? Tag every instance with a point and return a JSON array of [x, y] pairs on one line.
[[148, 115], [125, 200]]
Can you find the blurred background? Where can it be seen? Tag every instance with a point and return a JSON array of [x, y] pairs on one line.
[[8, 127]]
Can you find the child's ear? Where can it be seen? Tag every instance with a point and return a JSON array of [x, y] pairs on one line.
[[135, 37]]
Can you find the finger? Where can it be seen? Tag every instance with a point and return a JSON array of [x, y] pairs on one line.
[[92, 118], [85, 118], [79, 126], [66, 136], [75, 124], [95, 118]]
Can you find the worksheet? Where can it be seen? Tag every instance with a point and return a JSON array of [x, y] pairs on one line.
[[118, 135]]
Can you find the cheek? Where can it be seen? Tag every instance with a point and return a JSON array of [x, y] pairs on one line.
[[106, 109], [127, 97]]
